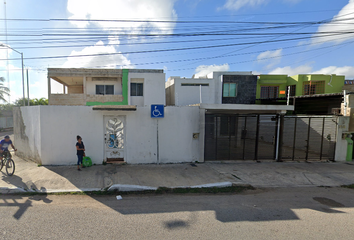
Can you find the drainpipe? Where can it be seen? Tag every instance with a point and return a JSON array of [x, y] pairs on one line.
[[330, 81], [200, 93], [345, 102], [287, 100]]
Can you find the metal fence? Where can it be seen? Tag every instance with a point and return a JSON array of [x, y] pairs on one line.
[[309, 138], [254, 137]]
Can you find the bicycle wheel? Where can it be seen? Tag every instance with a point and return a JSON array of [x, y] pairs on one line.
[[10, 167], [1, 164]]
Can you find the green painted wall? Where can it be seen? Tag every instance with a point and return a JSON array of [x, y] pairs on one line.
[[271, 80], [125, 73], [333, 83]]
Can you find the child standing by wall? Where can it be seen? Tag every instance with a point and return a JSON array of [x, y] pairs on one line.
[[80, 151]]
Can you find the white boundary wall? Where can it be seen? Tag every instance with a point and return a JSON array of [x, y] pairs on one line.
[[47, 134], [27, 133]]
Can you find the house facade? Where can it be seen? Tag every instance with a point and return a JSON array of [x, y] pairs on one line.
[[110, 87], [210, 118], [215, 88], [111, 110], [311, 94]]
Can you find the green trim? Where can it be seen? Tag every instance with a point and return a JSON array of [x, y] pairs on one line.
[[125, 86], [125, 73]]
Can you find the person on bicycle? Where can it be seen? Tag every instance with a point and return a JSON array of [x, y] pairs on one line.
[[4, 145]]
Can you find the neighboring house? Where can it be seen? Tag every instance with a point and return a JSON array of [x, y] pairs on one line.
[[210, 118], [215, 88], [311, 94], [111, 110], [232, 125], [114, 87]]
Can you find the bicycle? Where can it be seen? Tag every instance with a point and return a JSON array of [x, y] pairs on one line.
[[8, 163]]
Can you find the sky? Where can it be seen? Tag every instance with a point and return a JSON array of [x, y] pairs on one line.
[[183, 37]]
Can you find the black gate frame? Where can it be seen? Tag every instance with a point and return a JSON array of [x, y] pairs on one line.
[[279, 126]]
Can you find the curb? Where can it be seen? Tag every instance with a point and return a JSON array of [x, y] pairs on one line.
[[125, 188], [208, 185], [130, 188]]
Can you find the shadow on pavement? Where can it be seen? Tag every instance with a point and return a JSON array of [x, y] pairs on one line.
[[17, 200], [253, 205]]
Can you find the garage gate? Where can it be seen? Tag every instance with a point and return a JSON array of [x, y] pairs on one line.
[[255, 137]]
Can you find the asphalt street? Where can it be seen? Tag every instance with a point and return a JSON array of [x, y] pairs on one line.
[[275, 213]]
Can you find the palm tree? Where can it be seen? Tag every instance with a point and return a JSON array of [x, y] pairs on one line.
[[3, 90]]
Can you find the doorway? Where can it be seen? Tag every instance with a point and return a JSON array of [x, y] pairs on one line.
[[114, 138]]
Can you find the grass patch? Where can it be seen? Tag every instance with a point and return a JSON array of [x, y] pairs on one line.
[[348, 186]]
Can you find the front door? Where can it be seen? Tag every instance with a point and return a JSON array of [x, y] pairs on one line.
[[114, 138]]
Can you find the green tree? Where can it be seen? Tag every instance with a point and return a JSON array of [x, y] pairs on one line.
[[41, 101], [33, 102], [3, 90], [6, 107]]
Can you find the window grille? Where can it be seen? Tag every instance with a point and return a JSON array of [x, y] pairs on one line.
[[313, 87], [269, 92]]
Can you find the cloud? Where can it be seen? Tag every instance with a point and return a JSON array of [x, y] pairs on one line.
[[347, 71], [304, 69], [142, 10], [237, 4], [103, 61], [342, 22], [203, 70], [272, 57]]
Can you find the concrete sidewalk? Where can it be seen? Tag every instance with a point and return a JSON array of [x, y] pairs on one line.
[[29, 177]]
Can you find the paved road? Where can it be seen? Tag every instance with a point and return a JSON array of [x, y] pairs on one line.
[[278, 213]]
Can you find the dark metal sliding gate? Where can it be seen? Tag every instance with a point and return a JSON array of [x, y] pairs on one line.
[[309, 138], [254, 137], [237, 137]]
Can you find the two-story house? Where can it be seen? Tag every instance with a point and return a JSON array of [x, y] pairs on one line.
[[111, 110], [309, 93], [234, 127]]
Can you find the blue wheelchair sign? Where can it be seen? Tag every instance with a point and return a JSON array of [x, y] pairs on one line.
[[157, 111]]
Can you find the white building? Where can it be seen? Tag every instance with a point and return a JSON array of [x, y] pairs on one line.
[[215, 88], [111, 110]]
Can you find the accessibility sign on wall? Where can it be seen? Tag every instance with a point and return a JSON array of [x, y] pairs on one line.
[[157, 111]]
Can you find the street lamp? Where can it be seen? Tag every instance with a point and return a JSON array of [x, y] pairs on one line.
[[23, 80]]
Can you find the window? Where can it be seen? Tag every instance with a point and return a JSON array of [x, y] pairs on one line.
[[269, 92], [316, 87], [230, 90], [105, 89], [136, 89]]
